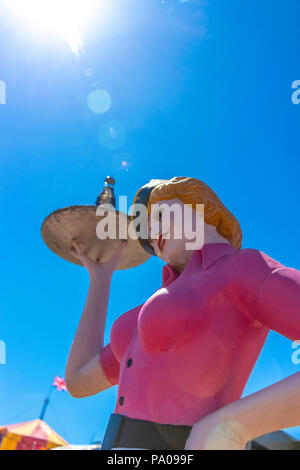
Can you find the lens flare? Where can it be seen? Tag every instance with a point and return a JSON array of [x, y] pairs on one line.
[[99, 101], [112, 135], [64, 17]]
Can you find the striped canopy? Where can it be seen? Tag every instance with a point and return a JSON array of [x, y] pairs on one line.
[[31, 435]]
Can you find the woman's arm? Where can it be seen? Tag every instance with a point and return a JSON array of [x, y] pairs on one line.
[[231, 427], [84, 374], [275, 407], [277, 301], [270, 409]]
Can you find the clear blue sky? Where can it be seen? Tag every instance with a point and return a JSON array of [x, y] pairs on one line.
[[202, 89]]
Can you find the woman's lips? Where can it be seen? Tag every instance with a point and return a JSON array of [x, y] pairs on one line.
[[161, 243]]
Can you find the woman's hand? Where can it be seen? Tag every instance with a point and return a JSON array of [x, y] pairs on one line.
[[214, 433], [94, 268]]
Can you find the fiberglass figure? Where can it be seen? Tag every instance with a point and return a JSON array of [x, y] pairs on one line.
[[181, 360]]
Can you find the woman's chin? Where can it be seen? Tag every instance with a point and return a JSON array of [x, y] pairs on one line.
[[174, 263]]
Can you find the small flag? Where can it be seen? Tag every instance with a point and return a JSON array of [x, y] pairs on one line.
[[59, 383]]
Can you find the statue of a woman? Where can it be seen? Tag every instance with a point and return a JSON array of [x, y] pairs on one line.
[[182, 359]]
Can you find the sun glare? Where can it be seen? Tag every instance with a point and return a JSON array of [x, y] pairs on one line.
[[64, 17]]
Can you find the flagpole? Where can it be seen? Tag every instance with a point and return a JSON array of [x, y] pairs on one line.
[[45, 404]]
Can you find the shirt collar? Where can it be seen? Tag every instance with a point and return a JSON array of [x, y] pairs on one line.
[[211, 252], [207, 255]]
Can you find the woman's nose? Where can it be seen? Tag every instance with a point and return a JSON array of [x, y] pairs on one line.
[[154, 231]]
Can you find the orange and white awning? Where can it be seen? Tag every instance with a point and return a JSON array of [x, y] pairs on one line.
[[31, 435]]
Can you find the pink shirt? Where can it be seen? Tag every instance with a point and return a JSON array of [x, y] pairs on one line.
[[190, 348]]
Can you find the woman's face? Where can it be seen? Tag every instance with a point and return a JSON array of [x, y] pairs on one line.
[[171, 226]]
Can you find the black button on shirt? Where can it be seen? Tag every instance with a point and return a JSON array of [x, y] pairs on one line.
[[121, 400], [129, 362]]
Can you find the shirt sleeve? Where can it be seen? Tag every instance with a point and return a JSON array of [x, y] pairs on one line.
[[278, 302], [110, 364]]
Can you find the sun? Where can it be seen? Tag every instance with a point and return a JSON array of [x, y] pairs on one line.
[[64, 17]]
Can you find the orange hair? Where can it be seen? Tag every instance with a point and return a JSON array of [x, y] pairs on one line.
[[193, 191]]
